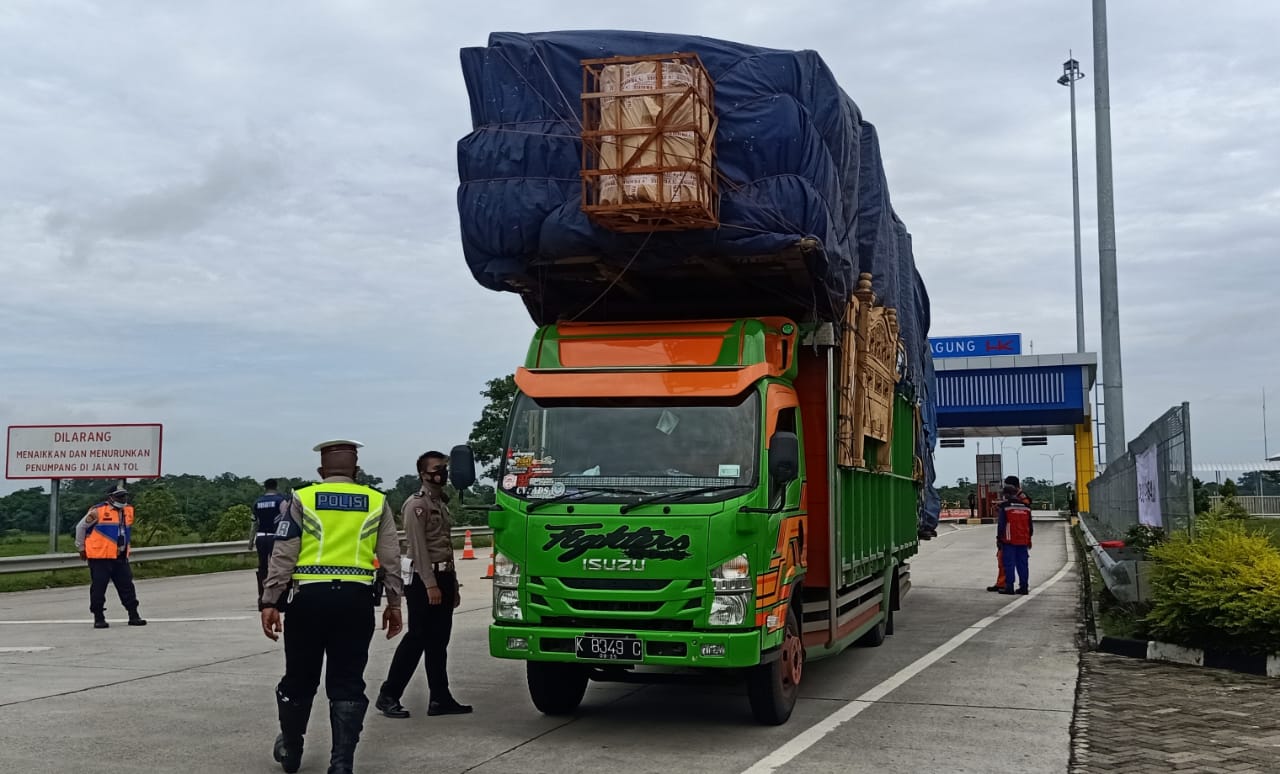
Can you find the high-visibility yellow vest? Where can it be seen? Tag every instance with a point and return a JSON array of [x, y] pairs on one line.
[[340, 525]]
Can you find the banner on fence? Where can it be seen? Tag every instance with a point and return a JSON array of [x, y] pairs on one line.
[[1148, 469]]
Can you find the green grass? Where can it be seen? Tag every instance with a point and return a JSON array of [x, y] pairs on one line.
[[1269, 526], [25, 543]]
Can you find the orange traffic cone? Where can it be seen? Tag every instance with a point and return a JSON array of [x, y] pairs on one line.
[[488, 574], [468, 551]]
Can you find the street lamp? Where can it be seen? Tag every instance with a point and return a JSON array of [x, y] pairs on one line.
[[1053, 479], [1070, 74]]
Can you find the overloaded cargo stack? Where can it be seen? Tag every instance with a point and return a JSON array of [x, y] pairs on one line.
[[637, 176]]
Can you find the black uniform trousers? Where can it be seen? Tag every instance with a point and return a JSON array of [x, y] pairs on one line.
[[114, 571], [428, 636], [327, 625], [264, 544]]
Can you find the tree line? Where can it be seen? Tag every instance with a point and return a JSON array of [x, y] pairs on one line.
[[194, 508]]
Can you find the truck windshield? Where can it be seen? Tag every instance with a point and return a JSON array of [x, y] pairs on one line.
[[557, 447]]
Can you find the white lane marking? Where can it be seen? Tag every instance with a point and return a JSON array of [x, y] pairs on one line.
[[123, 620], [27, 649], [814, 734]]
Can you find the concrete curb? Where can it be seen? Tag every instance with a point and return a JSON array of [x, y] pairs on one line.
[[1153, 650]]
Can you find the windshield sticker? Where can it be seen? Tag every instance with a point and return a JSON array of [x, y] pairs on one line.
[[509, 481], [519, 462], [730, 471], [544, 489], [667, 422], [644, 543]]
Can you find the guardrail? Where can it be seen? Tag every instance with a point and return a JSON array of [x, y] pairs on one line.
[[46, 562], [1124, 572]]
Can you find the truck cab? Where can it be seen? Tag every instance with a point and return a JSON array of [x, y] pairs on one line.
[[666, 500]]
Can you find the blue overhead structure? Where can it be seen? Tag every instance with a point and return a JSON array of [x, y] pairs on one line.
[[1021, 395]]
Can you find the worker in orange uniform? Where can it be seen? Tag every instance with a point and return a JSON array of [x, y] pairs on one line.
[[1015, 528], [1020, 497], [103, 540]]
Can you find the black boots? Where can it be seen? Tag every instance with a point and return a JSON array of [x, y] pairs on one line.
[[293, 726], [390, 707], [346, 718], [135, 619], [100, 621], [447, 706]]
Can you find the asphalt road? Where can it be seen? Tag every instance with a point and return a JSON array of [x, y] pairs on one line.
[[971, 682]]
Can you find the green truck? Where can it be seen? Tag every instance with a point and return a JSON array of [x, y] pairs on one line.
[[721, 445], [702, 494]]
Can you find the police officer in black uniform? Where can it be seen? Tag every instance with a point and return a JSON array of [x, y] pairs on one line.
[[266, 512]]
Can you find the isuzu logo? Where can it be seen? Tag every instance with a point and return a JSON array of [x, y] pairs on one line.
[[614, 565], [643, 543]]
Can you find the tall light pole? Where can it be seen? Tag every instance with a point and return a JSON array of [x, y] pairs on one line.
[[1070, 74], [1053, 479], [1108, 287]]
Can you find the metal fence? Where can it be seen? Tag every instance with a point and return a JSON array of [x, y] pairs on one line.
[[44, 562], [1265, 505], [1114, 496]]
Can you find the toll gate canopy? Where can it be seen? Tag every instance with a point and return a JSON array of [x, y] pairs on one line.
[[1021, 395]]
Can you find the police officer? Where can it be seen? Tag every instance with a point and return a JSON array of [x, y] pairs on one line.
[[432, 595], [103, 539], [266, 513], [323, 561]]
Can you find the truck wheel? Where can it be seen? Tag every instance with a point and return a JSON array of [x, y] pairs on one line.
[[774, 687], [556, 689], [874, 638]]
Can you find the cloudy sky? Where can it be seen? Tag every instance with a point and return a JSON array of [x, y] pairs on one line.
[[238, 218]]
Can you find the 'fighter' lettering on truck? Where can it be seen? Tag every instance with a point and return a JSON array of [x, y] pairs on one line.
[[644, 543]]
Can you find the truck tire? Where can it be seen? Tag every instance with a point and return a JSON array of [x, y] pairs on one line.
[[774, 687], [556, 689], [875, 636]]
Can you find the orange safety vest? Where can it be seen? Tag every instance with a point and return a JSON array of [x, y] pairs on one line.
[[108, 534]]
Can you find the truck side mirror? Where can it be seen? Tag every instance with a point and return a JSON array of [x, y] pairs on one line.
[[784, 457], [462, 467]]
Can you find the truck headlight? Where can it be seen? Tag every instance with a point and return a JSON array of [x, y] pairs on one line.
[[506, 604], [506, 573], [733, 575], [728, 609]]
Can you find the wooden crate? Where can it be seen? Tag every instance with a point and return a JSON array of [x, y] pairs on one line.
[[870, 368], [648, 144]]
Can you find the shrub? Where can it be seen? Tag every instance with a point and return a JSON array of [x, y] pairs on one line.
[[1143, 538], [1220, 589], [1229, 508]]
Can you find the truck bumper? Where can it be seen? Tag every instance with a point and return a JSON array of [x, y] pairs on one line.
[[712, 650]]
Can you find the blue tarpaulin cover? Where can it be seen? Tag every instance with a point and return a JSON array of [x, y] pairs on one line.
[[804, 204]]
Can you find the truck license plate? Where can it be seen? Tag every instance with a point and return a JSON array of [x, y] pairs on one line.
[[609, 648]]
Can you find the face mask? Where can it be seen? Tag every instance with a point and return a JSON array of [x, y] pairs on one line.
[[438, 477]]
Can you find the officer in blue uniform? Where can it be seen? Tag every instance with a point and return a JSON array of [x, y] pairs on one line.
[[266, 512]]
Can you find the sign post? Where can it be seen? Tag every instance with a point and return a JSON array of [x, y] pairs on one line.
[[57, 452], [54, 485]]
